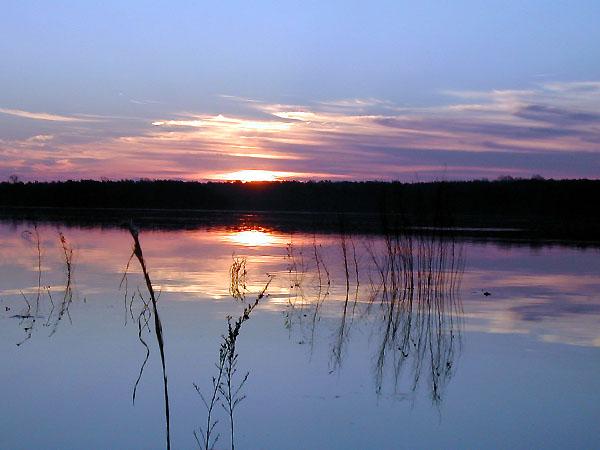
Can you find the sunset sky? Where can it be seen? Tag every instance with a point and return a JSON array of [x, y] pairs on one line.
[[299, 89]]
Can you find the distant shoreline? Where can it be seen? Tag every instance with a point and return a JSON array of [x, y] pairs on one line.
[[523, 209]]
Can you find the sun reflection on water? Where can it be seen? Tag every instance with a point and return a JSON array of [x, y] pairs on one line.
[[252, 238]]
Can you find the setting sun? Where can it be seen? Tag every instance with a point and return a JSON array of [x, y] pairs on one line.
[[254, 175]]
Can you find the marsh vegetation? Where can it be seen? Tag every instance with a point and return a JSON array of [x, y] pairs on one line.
[[40, 305], [339, 303]]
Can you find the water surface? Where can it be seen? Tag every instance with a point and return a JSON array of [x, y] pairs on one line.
[[360, 341]]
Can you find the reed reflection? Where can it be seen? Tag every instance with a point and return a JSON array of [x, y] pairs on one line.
[[419, 296], [411, 303], [305, 298], [392, 302], [39, 302]]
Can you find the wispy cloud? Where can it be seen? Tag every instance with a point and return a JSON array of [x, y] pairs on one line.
[[552, 129], [43, 116]]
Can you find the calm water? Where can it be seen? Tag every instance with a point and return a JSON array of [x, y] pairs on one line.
[[360, 342]]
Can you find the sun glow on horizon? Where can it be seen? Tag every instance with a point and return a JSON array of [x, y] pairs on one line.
[[250, 175]]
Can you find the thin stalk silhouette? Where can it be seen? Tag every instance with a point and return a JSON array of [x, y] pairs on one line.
[[223, 382], [137, 251]]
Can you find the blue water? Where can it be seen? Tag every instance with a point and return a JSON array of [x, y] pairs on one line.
[[524, 360]]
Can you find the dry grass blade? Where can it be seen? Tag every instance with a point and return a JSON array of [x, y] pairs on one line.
[[223, 387], [67, 299], [237, 275], [137, 251]]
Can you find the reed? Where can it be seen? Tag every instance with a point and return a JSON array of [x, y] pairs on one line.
[[137, 252], [412, 302], [28, 318], [67, 299], [35, 308], [225, 389], [237, 276], [420, 300]]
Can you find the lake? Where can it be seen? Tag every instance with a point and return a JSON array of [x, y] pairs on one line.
[[308, 340]]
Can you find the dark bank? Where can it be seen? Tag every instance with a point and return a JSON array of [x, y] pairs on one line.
[[510, 208]]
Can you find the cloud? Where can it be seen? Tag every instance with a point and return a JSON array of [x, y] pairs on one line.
[[43, 116], [222, 122], [553, 307], [557, 116], [551, 129], [40, 138]]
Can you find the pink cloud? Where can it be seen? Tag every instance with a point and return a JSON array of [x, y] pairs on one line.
[[553, 130]]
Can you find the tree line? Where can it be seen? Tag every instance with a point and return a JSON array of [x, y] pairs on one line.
[[570, 204]]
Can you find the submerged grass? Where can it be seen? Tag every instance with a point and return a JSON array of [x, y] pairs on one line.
[[413, 299], [237, 276], [35, 308], [29, 317], [67, 299], [418, 290], [414, 293]]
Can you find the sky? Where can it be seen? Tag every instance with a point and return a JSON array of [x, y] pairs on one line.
[[358, 90]]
